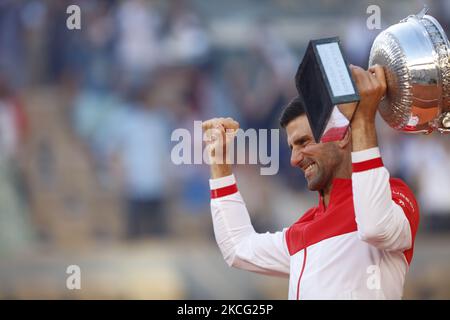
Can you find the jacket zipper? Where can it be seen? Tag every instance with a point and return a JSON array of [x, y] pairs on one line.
[[301, 273]]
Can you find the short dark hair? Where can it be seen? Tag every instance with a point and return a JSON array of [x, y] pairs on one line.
[[293, 110]]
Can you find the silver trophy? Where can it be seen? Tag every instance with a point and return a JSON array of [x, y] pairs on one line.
[[415, 54]]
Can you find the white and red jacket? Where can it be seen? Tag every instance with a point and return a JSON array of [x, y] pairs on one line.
[[358, 247]]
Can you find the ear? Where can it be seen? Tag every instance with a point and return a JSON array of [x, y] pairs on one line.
[[344, 142]]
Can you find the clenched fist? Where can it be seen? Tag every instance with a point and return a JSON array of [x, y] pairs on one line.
[[219, 133], [371, 86]]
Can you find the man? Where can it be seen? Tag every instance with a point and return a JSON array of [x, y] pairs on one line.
[[137, 141], [357, 243]]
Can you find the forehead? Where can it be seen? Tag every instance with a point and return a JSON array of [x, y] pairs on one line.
[[297, 128]]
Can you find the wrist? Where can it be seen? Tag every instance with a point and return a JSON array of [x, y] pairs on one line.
[[363, 122], [363, 135], [366, 160], [222, 187], [220, 170]]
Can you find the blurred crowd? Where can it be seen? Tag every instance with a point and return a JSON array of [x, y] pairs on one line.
[[139, 69]]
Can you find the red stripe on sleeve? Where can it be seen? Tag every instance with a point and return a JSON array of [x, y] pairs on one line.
[[367, 165], [225, 191]]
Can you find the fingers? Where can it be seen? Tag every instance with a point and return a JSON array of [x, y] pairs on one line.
[[229, 123], [361, 77], [208, 124], [219, 132], [226, 123], [371, 82], [380, 76]]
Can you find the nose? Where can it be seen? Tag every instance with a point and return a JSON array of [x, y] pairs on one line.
[[296, 157]]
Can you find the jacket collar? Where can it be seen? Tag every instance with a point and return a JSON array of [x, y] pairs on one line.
[[340, 189]]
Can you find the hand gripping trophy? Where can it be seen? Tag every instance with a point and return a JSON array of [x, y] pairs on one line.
[[415, 55]]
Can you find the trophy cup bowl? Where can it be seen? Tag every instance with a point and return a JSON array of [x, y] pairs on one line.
[[415, 55]]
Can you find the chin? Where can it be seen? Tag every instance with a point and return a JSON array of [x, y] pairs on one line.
[[315, 184]]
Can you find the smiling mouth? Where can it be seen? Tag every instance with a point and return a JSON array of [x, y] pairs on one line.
[[310, 168]]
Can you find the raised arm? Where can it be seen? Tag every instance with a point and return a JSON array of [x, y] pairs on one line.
[[386, 214], [241, 246]]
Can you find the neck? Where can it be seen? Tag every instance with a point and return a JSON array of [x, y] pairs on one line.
[[344, 171], [326, 194]]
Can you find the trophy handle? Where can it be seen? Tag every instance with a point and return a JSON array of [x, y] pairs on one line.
[[423, 12], [419, 15]]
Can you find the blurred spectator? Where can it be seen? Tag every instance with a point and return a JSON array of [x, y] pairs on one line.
[[428, 163], [12, 51], [140, 143], [99, 39], [15, 231], [34, 16], [392, 143], [138, 46], [13, 123], [186, 40]]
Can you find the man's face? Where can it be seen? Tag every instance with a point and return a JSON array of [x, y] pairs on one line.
[[317, 160]]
